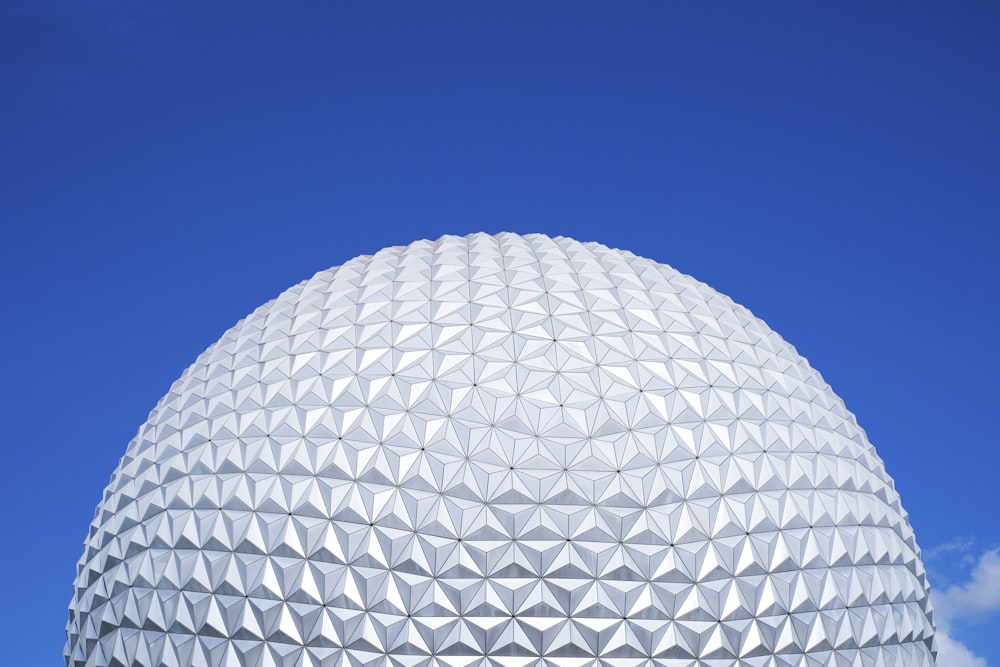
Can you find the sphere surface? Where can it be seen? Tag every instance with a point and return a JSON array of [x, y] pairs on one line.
[[500, 450]]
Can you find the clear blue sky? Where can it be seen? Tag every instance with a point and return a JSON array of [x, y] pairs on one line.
[[167, 167]]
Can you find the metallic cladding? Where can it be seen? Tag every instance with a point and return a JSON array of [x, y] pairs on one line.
[[500, 450]]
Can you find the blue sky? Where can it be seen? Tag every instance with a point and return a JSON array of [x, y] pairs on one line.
[[167, 167]]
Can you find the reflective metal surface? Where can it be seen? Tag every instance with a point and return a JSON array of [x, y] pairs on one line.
[[502, 451]]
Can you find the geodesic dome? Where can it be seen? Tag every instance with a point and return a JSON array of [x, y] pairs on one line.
[[500, 450]]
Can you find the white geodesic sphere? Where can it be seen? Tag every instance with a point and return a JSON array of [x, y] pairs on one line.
[[507, 451]]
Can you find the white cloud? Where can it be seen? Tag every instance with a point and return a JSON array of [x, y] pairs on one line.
[[954, 654], [979, 596]]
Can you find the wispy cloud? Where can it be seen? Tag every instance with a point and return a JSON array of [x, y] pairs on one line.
[[959, 544], [975, 598]]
